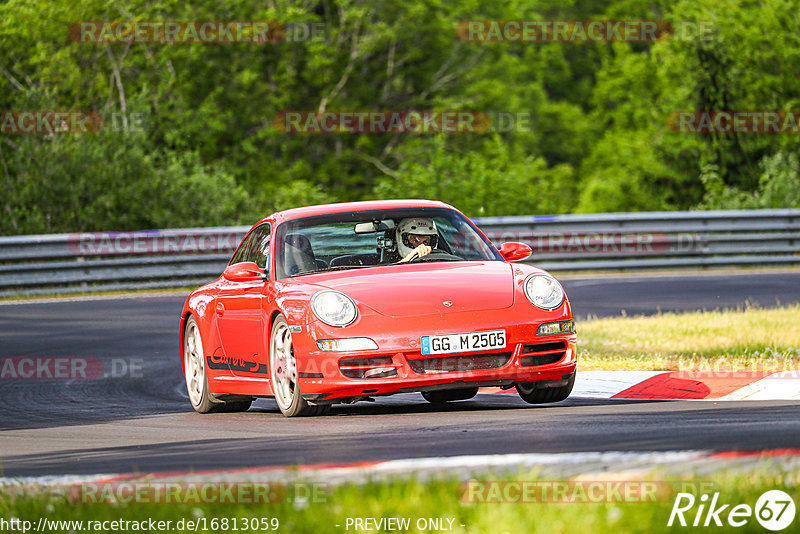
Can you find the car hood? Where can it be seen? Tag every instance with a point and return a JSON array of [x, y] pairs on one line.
[[425, 289]]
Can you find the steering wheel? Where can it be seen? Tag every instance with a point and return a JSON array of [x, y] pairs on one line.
[[437, 255]]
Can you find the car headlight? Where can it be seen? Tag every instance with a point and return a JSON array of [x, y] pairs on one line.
[[333, 308], [544, 291]]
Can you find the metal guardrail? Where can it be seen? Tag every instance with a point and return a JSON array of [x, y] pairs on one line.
[[82, 262]]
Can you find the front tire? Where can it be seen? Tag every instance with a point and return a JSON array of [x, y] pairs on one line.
[[283, 373], [194, 370], [539, 395]]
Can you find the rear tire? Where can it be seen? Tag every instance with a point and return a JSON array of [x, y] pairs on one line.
[[533, 395], [442, 396], [283, 373]]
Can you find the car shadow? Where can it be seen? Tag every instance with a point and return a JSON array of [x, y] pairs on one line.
[[413, 403]]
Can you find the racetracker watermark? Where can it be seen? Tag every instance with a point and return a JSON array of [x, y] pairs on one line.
[[579, 31], [405, 121], [152, 492], [575, 491], [195, 31], [734, 122], [598, 243], [746, 372], [48, 121], [68, 368], [151, 242], [414, 122]]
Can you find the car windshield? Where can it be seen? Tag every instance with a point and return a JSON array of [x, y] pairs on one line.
[[354, 240]]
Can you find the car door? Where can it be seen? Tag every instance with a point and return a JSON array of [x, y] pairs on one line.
[[238, 310]]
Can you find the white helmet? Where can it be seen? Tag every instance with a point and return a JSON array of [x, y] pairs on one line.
[[416, 226]]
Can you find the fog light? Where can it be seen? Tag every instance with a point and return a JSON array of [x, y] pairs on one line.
[[346, 345], [559, 327]]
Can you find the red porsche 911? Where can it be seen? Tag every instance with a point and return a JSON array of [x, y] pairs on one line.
[[343, 302]]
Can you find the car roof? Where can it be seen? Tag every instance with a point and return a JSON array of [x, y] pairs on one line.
[[343, 207]]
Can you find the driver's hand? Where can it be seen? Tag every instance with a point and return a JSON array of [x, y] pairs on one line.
[[420, 251]]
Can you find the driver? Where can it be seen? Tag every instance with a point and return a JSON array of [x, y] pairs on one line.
[[416, 236]]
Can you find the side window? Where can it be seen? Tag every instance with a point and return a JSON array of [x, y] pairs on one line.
[[258, 251], [241, 252], [255, 248], [462, 238]]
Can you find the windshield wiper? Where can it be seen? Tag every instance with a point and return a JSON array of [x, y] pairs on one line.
[[336, 268], [431, 260], [342, 267], [450, 257]]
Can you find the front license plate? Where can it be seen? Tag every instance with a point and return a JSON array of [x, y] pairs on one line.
[[470, 342]]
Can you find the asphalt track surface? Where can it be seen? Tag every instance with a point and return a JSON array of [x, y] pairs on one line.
[[143, 422]]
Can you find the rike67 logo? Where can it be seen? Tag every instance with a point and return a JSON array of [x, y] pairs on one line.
[[774, 510]]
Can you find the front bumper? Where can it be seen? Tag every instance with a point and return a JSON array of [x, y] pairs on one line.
[[546, 360]]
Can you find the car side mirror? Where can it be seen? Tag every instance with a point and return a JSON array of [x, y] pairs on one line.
[[515, 251], [246, 271]]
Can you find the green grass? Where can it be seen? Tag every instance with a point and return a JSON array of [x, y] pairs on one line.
[[738, 340], [414, 500]]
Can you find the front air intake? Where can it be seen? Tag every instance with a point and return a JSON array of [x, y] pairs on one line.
[[455, 364], [368, 368], [543, 353]]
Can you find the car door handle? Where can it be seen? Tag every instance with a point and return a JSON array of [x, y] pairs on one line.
[[220, 308]]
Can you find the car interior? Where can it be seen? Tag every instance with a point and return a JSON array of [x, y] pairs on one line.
[[299, 255]]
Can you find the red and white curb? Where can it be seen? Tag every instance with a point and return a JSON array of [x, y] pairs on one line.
[[683, 385], [564, 465]]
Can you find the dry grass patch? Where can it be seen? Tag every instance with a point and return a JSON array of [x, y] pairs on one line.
[[744, 339]]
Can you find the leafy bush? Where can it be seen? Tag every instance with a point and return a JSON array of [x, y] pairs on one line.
[[480, 183], [778, 186], [113, 180]]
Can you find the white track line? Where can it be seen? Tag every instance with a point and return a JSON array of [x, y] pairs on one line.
[[778, 386], [606, 384]]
